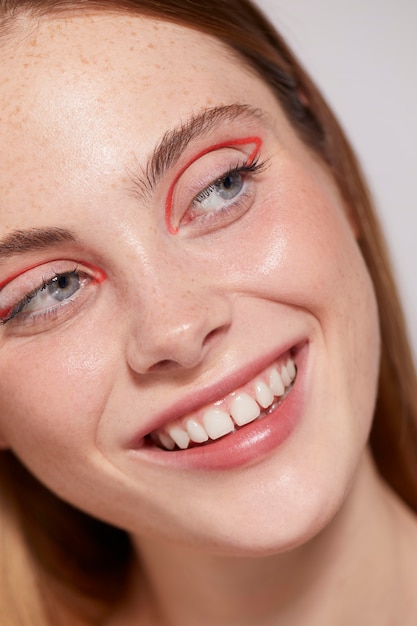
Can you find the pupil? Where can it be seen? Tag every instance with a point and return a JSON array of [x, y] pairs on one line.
[[228, 182], [62, 282], [63, 287], [230, 186]]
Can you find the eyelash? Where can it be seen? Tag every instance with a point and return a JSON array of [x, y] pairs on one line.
[[16, 313], [246, 168], [251, 167]]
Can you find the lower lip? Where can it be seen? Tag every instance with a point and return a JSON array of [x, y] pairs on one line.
[[247, 445]]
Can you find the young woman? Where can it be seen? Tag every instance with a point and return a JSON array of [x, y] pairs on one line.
[[199, 333]]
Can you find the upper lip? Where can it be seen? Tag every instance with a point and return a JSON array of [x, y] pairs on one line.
[[214, 392]]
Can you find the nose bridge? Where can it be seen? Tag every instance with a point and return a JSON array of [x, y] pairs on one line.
[[182, 312]]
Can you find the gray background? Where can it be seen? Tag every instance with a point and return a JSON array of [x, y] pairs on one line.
[[363, 55]]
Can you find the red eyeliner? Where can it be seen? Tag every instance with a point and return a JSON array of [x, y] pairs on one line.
[[19, 273], [99, 276], [4, 314], [173, 230]]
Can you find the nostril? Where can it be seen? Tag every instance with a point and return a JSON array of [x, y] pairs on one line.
[[163, 366], [212, 336], [182, 340]]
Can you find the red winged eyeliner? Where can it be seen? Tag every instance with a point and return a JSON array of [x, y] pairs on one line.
[[226, 144]]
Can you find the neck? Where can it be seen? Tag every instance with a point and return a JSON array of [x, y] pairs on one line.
[[339, 577]]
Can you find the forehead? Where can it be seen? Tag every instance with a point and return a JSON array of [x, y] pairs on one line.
[[86, 62], [86, 99], [95, 81]]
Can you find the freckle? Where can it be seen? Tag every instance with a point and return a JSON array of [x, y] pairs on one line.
[[33, 42], [151, 45]]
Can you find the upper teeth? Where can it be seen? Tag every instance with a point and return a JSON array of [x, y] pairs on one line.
[[238, 409]]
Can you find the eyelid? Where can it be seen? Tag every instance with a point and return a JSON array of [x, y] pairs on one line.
[[257, 141], [97, 274]]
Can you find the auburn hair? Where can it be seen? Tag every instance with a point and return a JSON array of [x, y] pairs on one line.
[[54, 557]]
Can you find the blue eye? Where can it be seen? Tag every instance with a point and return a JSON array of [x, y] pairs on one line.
[[46, 295], [224, 189], [56, 290], [226, 192], [49, 296]]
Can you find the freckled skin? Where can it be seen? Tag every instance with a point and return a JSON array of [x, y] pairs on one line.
[[71, 397]]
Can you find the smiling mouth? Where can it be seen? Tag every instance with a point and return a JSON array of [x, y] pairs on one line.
[[255, 400]]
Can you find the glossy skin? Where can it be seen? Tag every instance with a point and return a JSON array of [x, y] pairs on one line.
[[164, 316]]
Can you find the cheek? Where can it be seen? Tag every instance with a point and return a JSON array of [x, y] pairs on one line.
[[52, 395], [298, 250], [295, 244]]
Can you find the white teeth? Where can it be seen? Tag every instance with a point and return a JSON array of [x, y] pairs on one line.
[[196, 431], [290, 366], [275, 382], [166, 441], [180, 437], [217, 423], [286, 379], [244, 409], [264, 395]]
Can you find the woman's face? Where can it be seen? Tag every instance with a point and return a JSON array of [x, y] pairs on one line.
[[167, 246]]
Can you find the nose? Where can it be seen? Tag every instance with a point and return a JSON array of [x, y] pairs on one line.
[[178, 328]]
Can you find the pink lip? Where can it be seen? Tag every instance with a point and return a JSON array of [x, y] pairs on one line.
[[247, 444]]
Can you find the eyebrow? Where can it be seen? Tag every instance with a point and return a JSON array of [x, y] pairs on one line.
[[24, 241], [173, 143], [166, 153]]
